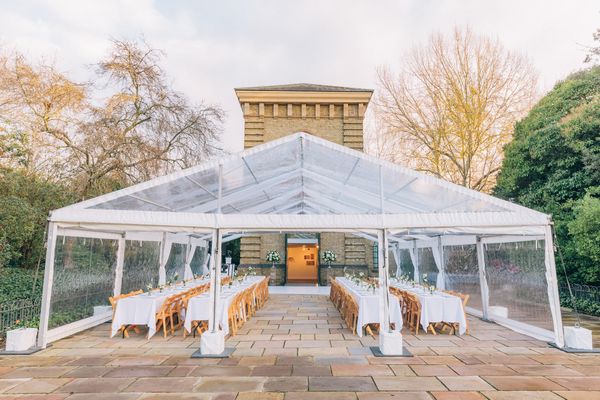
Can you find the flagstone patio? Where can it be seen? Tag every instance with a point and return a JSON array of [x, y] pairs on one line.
[[296, 348]]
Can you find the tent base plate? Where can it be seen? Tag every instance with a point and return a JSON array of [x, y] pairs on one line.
[[225, 354], [572, 350], [377, 353], [24, 352]]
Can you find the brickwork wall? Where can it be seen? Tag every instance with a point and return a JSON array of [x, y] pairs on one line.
[[338, 123]]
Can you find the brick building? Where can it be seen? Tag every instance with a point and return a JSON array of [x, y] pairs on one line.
[[333, 113]]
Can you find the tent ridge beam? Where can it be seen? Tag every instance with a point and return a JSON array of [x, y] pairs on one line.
[[201, 186], [135, 196], [254, 176]]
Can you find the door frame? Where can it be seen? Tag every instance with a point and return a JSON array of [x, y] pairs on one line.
[[285, 264]]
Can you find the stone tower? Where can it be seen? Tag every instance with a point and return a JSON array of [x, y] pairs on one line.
[[330, 112]]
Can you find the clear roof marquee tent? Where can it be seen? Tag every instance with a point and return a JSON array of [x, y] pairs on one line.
[[498, 252]]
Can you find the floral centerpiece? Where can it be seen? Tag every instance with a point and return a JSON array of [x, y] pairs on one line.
[[427, 285], [273, 257], [329, 257], [372, 285], [149, 288]]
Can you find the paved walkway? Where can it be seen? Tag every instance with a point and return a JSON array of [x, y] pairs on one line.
[[296, 348]]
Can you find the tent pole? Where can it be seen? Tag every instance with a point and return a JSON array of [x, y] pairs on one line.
[[485, 293], [187, 269], [416, 273], [552, 285], [442, 269], [384, 285], [119, 267], [214, 282], [162, 273], [397, 258], [48, 281]]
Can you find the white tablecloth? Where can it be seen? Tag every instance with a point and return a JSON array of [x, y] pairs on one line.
[[438, 307], [198, 308], [142, 308], [368, 305]]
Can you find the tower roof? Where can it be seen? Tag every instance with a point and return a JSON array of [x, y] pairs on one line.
[[303, 87]]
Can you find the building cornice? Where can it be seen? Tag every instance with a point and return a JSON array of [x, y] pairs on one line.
[[287, 97]]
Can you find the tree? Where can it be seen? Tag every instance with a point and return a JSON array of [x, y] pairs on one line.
[[25, 201], [145, 128], [39, 110], [585, 230], [593, 55], [553, 163], [139, 128], [452, 108]]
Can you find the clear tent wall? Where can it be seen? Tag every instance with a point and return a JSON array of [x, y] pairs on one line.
[[505, 276], [89, 269]]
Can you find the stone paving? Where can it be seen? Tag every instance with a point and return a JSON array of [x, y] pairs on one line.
[[296, 348]]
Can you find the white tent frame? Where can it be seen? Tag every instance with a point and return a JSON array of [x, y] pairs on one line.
[[382, 217]]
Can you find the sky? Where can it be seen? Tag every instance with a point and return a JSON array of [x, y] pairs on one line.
[[214, 46]]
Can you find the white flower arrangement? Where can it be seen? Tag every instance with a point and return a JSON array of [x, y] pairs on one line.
[[273, 256], [250, 271], [329, 256], [372, 285]]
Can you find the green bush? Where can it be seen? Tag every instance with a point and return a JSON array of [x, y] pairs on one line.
[[17, 284], [584, 306], [553, 162], [585, 230], [25, 202]]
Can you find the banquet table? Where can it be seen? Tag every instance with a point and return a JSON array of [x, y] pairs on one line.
[[142, 308], [198, 307], [437, 307], [368, 305]]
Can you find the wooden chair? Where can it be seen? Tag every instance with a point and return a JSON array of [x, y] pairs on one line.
[[414, 313], [349, 311], [164, 316], [178, 311], [260, 294], [234, 314]]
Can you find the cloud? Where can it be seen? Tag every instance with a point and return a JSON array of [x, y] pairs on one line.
[[213, 47]]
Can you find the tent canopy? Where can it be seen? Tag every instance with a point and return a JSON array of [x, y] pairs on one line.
[[473, 242], [301, 181]]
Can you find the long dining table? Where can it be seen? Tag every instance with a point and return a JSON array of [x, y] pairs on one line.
[[198, 307], [141, 309], [368, 305], [437, 306]]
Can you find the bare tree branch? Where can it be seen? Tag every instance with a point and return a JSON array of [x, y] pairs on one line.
[[452, 108]]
